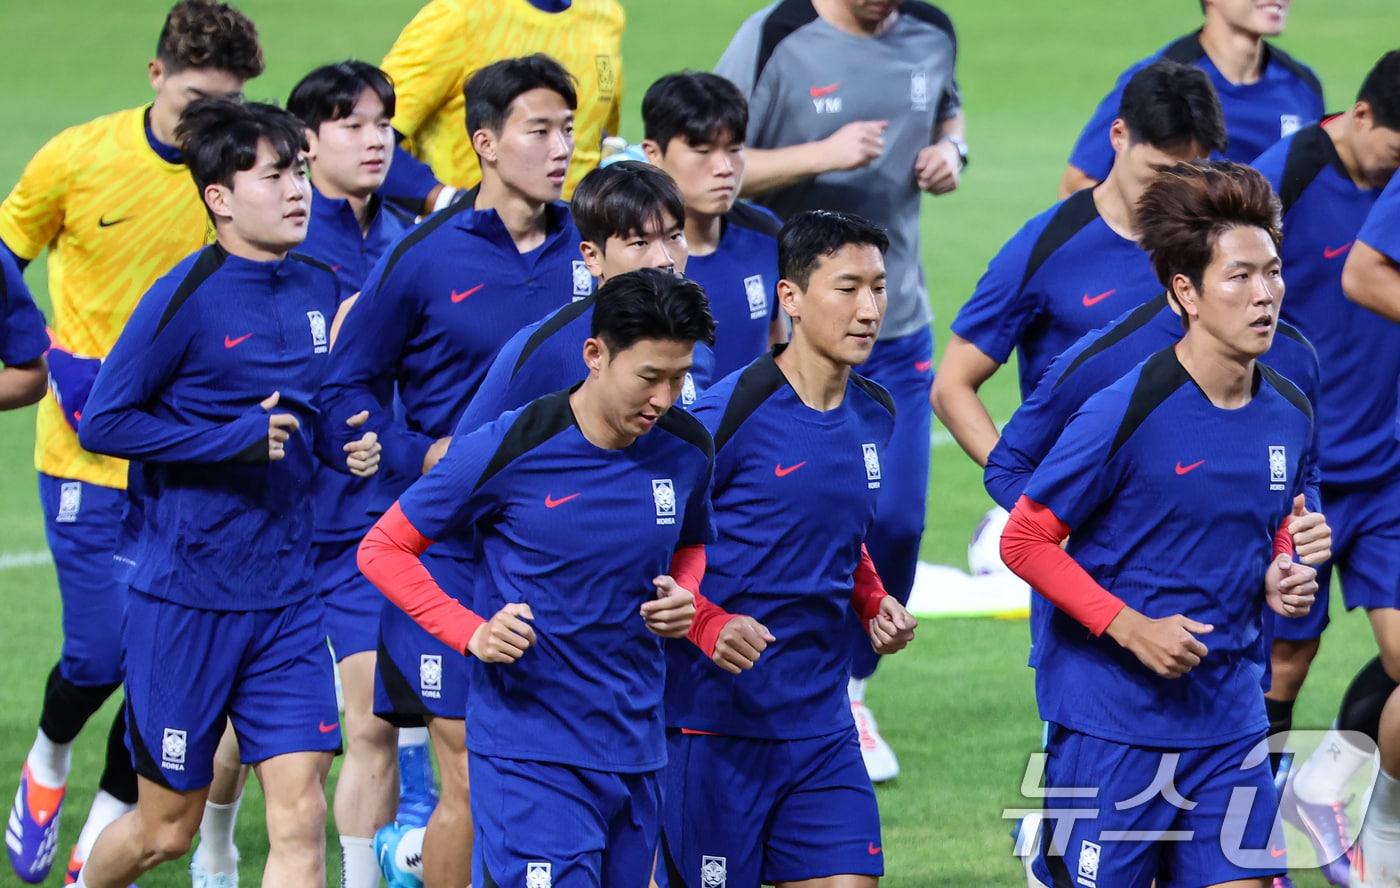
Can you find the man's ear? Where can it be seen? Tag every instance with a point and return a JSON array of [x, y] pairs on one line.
[[595, 354], [216, 197], [790, 298], [592, 257], [485, 144], [1186, 296]]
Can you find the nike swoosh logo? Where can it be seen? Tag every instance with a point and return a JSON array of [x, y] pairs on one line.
[[923, 366], [872, 849], [783, 471], [1277, 852], [1334, 252], [327, 728], [818, 91], [466, 294], [230, 342], [551, 503], [103, 222], [336, 267], [1182, 470], [1091, 301]]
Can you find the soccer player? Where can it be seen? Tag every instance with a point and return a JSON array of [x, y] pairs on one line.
[[695, 128], [433, 313], [211, 388], [1198, 450], [833, 126], [23, 341], [1329, 177], [450, 40], [111, 200], [346, 108], [765, 781], [1078, 265], [567, 665], [1266, 93]]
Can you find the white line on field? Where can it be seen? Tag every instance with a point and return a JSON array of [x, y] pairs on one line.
[[12, 560]]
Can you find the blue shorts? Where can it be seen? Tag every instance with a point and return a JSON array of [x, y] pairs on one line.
[[747, 811], [417, 677], [81, 521], [904, 366], [351, 601], [1227, 833], [538, 823], [188, 669], [1365, 553]]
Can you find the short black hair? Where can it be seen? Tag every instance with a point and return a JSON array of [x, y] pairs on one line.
[[621, 199], [698, 106], [1381, 90], [808, 237], [330, 92], [651, 304], [1169, 106], [490, 90], [219, 137], [207, 34]]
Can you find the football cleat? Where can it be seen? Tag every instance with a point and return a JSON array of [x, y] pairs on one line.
[[880, 762], [32, 834], [1327, 829], [202, 878], [386, 846]]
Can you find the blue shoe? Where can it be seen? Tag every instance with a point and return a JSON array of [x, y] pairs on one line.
[[32, 834], [417, 789], [386, 845], [1327, 829]]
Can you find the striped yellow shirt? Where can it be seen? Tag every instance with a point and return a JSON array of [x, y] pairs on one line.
[[449, 40], [114, 217]]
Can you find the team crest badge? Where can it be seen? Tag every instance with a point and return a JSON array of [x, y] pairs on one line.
[[872, 465], [605, 87], [1288, 124], [172, 749], [918, 90], [1089, 863], [583, 280], [319, 342], [1278, 466], [539, 874], [757, 296], [70, 499], [430, 675], [663, 493], [688, 391], [714, 872]]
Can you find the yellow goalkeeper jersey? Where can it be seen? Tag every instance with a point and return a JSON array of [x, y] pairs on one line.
[[114, 217], [449, 40]]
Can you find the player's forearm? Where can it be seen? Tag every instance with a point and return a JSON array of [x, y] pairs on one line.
[[868, 589], [1372, 280], [130, 433], [688, 570], [389, 557], [23, 385], [953, 126], [960, 409], [776, 168], [1030, 547], [1006, 474]]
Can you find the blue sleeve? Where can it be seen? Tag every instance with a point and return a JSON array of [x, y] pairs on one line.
[[710, 411], [452, 496], [1078, 475], [1092, 152], [1030, 434], [23, 338], [20, 262], [367, 352], [141, 367], [1381, 230], [698, 525], [997, 314], [496, 394], [409, 181]]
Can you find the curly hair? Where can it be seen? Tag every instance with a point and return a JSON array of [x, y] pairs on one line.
[[1187, 207], [208, 34]]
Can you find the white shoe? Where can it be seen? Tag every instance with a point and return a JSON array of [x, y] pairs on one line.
[[880, 762], [202, 878]]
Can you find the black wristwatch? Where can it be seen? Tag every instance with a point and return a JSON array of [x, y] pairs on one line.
[[958, 143]]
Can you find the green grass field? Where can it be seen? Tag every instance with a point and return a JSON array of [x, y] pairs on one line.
[[958, 705]]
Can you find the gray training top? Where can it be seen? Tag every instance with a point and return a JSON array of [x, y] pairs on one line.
[[806, 79]]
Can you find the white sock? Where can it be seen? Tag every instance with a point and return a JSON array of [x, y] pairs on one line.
[[1324, 775], [1379, 841], [408, 856], [105, 809], [358, 866], [216, 852], [413, 737], [855, 689], [50, 762]]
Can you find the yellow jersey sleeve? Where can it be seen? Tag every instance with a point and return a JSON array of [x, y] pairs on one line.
[[426, 78], [32, 214]]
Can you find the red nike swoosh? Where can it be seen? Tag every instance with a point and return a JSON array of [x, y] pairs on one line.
[[465, 294], [327, 728], [230, 342], [923, 366], [550, 502], [1182, 470], [1334, 252], [872, 849], [1090, 301], [783, 471], [818, 91], [1277, 852]]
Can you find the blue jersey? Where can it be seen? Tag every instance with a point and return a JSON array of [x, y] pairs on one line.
[[1147, 470], [1286, 96], [794, 496], [1063, 274], [436, 308], [334, 237], [23, 339], [739, 278], [1322, 212], [1381, 230], [578, 533], [217, 526]]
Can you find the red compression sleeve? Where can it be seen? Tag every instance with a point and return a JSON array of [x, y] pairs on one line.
[[688, 569], [1030, 546], [869, 589], [388, 556], [1283, 540]]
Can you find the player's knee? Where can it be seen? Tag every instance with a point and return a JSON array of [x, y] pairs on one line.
[[1390, 659], [166, 841], [297, 819]]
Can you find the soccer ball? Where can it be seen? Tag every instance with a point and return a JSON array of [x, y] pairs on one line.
[[984, 549]]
